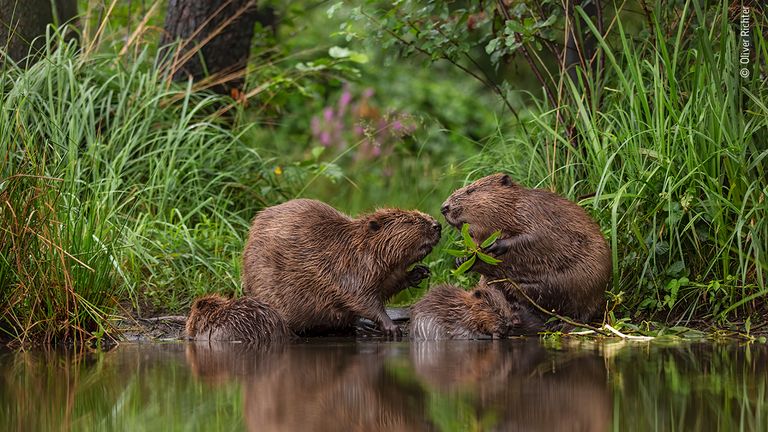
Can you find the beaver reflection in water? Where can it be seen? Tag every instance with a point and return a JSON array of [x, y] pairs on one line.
[[316, 387]]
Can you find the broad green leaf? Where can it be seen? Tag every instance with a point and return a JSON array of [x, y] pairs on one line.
[[466, 266], [488, 259], [317, 151], [332, 10], [492, 238], [339, 52], [467, 238], [358, 57], [456, 252], [330, 171]]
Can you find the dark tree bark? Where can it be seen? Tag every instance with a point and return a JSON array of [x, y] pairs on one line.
[[579, 41], [213, 40], [22, 22]]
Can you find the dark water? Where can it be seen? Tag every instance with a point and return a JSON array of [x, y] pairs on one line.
[[331, 385]]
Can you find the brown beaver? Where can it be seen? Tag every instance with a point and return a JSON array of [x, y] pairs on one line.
[[245, 319], [321, 269], [549, 246], [449, 312]]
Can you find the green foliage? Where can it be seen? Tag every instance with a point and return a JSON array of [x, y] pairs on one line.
[[397, 131], [471, 251], [115, 185], [672, 166], [487, 40]]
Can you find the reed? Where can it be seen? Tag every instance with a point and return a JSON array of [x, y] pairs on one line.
[[115, 186], [672, 164]]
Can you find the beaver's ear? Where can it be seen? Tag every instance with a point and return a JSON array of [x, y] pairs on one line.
[[204, 303], [374, 225], [506, 181]]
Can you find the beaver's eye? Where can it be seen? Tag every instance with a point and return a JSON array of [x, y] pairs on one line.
[[469, 191]]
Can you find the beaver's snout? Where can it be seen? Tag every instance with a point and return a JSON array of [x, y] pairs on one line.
[[445, 208]]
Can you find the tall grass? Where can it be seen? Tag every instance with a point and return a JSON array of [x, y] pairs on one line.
[[672, 164], [114, 185]]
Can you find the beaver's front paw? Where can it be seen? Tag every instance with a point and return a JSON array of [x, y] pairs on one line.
[[417, 274], [462, 260], [391, 330], [498, 248]]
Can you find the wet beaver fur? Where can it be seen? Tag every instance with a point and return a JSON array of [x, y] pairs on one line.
[[244, 319], [321, 269], [449, 312], [550, 247]]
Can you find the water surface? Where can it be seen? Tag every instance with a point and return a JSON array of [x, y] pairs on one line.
[[348, 385]]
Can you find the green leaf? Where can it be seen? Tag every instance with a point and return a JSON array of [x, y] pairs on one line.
[[330, 171], [492, 46], [338, 52], [456, 252], [467, 238], [466, 266], [488, 259], [661, 248], [358, 57], [332, 10], [492, 238], [317, 151], [676, 268]]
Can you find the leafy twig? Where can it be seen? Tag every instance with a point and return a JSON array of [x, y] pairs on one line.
[[472, 251]]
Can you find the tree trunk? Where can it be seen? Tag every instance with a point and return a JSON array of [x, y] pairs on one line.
[[579, 41], [23, 22], [214, 40]]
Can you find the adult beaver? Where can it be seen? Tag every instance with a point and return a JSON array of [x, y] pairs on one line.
[[450, 312], [320, 269], [246, 319], [549, 246]]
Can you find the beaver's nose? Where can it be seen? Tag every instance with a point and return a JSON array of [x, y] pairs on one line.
[[445, 209], [436, 226]]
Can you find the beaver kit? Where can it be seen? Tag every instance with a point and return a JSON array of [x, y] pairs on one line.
[[246, 319], [321, 269], [550, 248], [450, 312]]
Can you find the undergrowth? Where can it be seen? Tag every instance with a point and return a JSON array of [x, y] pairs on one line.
[[115, 185], [672, 164]]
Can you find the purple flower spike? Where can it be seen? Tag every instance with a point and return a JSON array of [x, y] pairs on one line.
[[368, 93], [344, 100], [328, 114], [325, 138]]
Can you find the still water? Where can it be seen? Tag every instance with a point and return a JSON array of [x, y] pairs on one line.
[[348, 385]]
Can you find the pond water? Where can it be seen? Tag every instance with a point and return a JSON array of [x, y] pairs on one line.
[[348, 385]]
